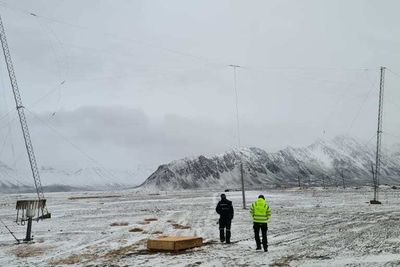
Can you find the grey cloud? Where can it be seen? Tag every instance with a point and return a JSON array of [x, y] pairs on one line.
[[148, 81]]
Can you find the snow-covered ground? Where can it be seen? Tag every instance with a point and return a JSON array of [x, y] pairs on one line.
[[309, 227]]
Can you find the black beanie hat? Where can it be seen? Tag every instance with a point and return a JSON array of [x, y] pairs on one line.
[[223, 196], [261, 196]]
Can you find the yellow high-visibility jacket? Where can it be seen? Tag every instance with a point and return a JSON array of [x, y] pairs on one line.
[[260, 211]]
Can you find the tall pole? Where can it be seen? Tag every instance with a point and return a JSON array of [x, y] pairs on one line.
[[236, 103], [238, 131], [379, 136]]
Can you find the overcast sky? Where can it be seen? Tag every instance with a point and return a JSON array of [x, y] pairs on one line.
[[140, 83]]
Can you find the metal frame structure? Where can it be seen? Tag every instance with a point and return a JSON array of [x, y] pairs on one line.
[[22, 118], [28, 207], [379, 139], [28, 210]]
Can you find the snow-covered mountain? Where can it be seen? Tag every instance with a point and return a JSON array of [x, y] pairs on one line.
[[92, 178], [8, 181], [324, 162]]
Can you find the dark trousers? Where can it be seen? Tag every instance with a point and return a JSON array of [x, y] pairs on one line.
[[225, 223], [264, 229]]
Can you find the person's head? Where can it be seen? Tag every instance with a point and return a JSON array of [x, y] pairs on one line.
[[223, 196], [261, 196]]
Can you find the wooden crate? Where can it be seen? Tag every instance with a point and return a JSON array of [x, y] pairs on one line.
[[174, 243]]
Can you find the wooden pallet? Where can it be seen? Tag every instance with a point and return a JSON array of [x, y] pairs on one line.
[[174, 243]]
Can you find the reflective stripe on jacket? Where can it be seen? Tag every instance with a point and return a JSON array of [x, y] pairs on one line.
[[260, 211]]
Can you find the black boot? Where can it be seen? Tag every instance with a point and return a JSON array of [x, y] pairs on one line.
[[222, 235], [265, 246], [228, 236]]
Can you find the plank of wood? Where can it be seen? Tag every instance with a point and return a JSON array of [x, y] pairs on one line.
[[174, 243]]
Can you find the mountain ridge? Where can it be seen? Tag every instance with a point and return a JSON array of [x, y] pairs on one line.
[[57, 180], [323, 162]]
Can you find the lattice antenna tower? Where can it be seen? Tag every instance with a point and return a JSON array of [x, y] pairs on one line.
[[379, 139], [33, 208]]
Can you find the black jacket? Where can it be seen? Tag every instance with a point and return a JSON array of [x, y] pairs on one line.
[[225, 209]]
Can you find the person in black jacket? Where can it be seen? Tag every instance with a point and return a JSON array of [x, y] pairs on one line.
[[225, 211]]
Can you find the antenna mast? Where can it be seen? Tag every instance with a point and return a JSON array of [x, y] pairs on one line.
[[379, 139], [22, 119], [238, 132]]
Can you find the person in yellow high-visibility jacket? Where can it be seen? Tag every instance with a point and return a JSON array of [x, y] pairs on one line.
[[261, 214]]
